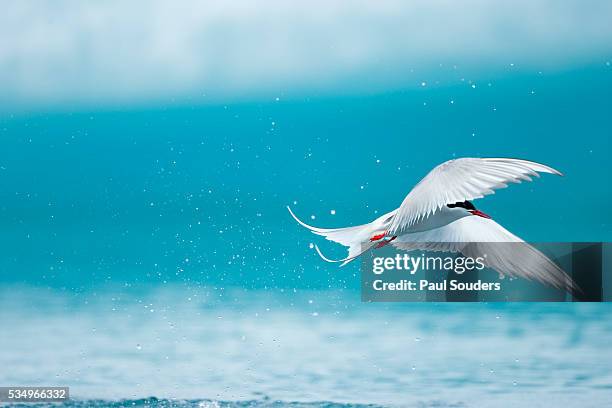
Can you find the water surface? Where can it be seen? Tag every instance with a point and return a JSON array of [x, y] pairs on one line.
[[193, 345]]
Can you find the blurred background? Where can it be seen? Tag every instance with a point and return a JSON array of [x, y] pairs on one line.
[[149, 150]]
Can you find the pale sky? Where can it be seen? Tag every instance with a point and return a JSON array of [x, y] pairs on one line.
[[64, 52]]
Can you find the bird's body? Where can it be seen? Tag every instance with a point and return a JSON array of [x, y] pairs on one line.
[[437, 215]]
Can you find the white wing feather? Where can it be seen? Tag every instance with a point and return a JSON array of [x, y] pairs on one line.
[[460, 180]]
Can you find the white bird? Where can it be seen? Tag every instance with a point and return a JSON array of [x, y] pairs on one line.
[[438, 216]]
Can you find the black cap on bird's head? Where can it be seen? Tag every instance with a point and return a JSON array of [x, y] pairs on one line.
[[462, 204], [469, 207]]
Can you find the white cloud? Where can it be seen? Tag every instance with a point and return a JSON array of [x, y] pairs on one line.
[[62, 52]]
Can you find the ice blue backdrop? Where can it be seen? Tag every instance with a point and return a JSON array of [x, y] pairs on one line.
[[198, 192]]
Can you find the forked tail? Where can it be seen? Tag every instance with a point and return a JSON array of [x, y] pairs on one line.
[[355, 238]]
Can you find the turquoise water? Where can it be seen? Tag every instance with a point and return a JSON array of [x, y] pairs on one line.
[[148, 253], [241, 347]]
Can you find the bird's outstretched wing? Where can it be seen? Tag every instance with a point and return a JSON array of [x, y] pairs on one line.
[[460, 180], [501, 250]]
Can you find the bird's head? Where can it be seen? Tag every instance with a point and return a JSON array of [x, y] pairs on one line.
[[468, 207]]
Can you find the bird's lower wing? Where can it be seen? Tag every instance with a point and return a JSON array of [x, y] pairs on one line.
[[501, 250]]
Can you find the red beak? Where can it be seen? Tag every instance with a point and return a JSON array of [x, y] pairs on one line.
[[479, 213]]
